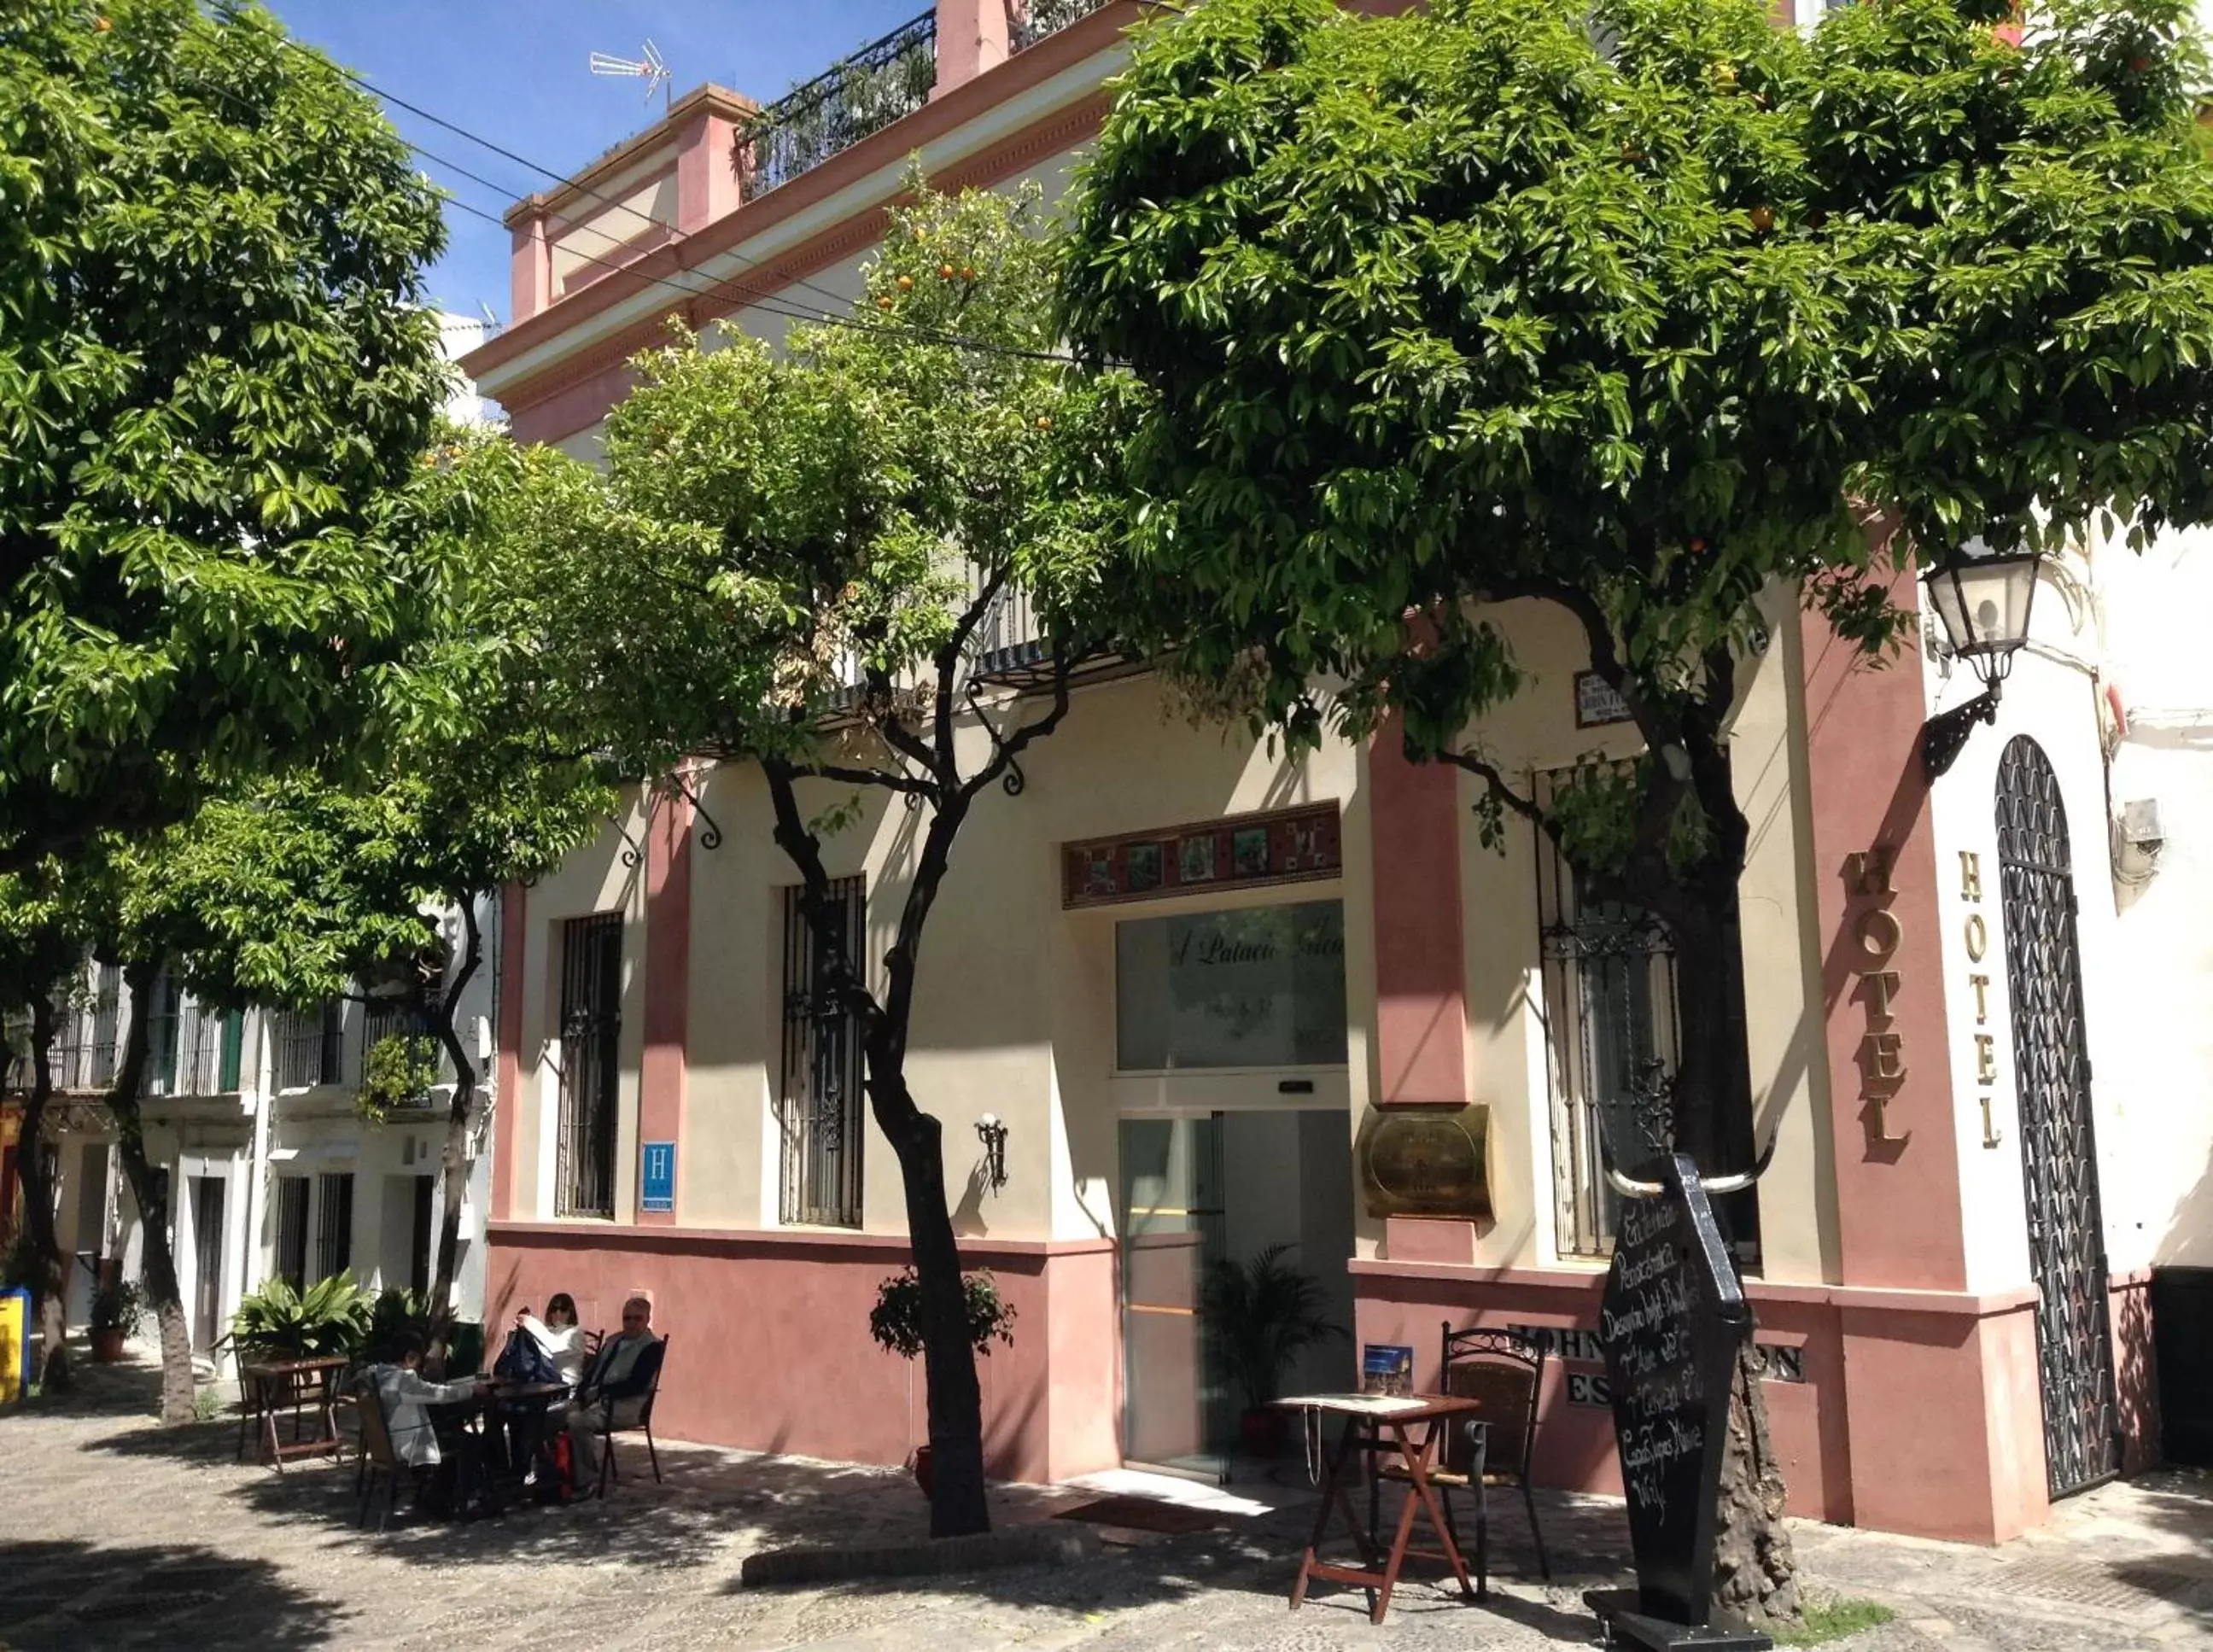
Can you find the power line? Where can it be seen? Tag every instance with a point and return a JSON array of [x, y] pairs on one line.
[[717, 289]]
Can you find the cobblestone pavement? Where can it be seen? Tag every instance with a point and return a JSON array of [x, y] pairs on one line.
[[116, 1533]]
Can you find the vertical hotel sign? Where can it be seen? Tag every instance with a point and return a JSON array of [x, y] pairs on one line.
[[1977, 935], [1877, 934]]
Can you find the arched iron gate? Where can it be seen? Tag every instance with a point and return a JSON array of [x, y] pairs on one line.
[[2059, 1144]]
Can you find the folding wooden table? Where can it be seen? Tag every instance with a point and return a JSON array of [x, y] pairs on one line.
[[308, 1387], [1368, 1415]]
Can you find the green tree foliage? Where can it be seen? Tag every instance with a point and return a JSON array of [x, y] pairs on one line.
[[841, 529], [300, 890], [1657, 314], [216, 379]]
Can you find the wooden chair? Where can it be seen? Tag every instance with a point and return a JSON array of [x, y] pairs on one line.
[[1506, 1374], [657, 1357], [377, 1456]]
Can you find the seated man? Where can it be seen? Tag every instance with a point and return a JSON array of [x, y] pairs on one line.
[[614, 1387], [403, 1395]]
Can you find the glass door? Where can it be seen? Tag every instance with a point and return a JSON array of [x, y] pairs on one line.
[[1175, 1407]]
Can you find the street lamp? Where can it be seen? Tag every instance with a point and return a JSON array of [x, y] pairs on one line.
[[1983, 601]]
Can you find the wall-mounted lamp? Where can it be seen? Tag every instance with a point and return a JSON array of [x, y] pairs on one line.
[[1983, 601], [991, 1130]]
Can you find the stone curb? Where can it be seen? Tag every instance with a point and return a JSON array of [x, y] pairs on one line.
[[1057, 1542]]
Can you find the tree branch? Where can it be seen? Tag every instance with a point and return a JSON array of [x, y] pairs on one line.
[[1502, 790], [841, 775]]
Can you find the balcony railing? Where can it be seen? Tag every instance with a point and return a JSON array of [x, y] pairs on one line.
[[1029, 24], [882, 83], [306, 1048], [386, 1021]]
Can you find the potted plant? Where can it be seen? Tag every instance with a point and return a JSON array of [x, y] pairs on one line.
[[1260, 1315], [117, 1306], [896, 1324], [278, 1322], [397, 1072]]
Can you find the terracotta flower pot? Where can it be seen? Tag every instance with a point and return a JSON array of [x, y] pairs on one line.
[[920, 1464], [1264, 1429], [107, 1346]]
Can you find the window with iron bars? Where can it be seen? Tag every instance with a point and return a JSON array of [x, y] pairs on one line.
[[821, 1108], [1611, 1012], [591, 1029], [333, 1224], [306, 1046], [390, 1019], [84, 1050], [1610, 1016]]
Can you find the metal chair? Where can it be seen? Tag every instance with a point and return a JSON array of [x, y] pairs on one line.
[[1506, 1373], [656, 1357]]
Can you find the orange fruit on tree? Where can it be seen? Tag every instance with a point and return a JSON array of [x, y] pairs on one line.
[[1763, 218]]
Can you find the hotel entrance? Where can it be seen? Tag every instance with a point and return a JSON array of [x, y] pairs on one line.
[[1235, 1187]]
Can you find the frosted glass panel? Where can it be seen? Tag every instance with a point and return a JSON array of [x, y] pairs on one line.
[[1261, 986]]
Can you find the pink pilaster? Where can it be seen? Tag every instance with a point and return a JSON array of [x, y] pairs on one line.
[[706, 169], [973, 36], [530, 271], [1421, 1018], [668, 983]]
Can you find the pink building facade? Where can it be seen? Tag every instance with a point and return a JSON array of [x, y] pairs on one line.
[[672, 1117]]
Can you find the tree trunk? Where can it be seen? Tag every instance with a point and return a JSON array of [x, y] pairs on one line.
[[160, 1263], [958, 1505], [1755, 1571], [53, 1373], [453, 1162]]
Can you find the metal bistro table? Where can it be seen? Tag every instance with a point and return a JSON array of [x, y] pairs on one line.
[[1367, 1417], [306, 1387], [496, 1481]]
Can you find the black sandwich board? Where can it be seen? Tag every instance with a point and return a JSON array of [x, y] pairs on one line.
[[1672, 1319]]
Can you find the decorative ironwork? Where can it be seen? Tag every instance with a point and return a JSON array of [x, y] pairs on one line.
[[710, 832], [882, 83], [591, 1027], [820, 1105], [632, 853], [2058, 1145], [1032, 22], [1609, 977], [1944, 737], [391, 1018]]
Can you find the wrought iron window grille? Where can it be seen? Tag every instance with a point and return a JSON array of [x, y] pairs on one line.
[[881, 83], [591, 1030], [820, 1103]]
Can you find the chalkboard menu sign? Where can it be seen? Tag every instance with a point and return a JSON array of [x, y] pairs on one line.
[[1672, 1319]]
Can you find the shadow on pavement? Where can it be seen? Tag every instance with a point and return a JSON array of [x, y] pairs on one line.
[[74, 1595]]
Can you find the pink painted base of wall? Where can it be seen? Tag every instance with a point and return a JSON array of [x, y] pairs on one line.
[[1918, 1413], [769, 1347], [2135, 1371]]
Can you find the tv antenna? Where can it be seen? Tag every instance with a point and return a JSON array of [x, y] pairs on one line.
[[648, 67]]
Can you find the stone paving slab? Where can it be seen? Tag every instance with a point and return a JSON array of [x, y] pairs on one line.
[[114, 1533]]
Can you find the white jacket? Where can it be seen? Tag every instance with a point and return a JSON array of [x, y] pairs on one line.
[[403, 1394], [564, 1346]]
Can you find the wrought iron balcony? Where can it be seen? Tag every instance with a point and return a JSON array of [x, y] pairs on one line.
[[1030, 23], [882, 83]]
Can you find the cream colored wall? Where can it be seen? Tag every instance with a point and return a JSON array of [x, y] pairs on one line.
[[1508, 1051], [593, 880], [1014, 1003]]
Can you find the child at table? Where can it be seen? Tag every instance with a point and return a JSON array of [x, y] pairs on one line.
[[405, 1396]]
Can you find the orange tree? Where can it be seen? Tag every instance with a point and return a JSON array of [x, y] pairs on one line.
[[1652, 312]]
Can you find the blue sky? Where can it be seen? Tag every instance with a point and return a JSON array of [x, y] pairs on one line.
[[515, 73]]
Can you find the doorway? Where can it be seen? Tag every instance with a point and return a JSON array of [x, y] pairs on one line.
[[2058, 1143], [207, 1193], [1199, 1192]]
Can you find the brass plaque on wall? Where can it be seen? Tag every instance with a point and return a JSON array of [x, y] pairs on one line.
[[1426, 1162]]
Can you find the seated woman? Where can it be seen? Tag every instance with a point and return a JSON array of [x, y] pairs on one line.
[[559, 1335]]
